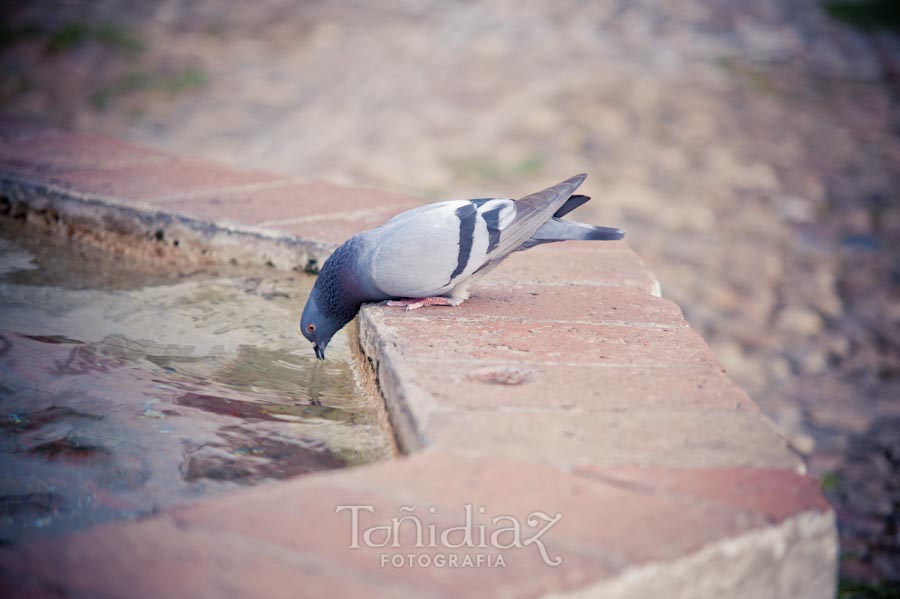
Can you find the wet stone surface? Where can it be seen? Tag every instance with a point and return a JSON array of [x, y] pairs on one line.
[[122, 394]]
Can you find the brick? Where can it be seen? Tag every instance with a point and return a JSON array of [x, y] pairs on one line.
[[142, 181], [592, 544], [443, 339], [286, 538], [565, 304], [295, 203], [158, 558], [598, 263], [51, 152], [676, 510], [334, 231], [637, 437], [301, 516], [493, 386], [777, 494]]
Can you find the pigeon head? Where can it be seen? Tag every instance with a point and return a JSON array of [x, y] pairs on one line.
[[333, 301], [317, 326]]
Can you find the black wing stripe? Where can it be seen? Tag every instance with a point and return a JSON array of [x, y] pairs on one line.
[[492, 220], [466, 215]]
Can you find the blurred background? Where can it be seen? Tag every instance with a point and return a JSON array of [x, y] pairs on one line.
[[751, 150]]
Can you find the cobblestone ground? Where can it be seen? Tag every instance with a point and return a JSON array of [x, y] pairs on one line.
[[750, 149]]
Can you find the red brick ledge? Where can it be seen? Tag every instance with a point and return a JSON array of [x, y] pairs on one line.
[[565, 384]]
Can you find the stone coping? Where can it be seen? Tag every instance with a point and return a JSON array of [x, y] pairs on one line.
[[565, 386]]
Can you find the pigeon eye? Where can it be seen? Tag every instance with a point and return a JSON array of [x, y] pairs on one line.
[[311, 328]]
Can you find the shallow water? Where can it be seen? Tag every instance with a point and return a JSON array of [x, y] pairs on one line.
[[124, 390]]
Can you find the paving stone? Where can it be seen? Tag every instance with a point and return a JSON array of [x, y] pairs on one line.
[[607, 263], [527, 342], [50, 152], [636, 437], [743, 497], [669, 512], [294, 203], [775, 493], [572, 303], [138, 180], [499, 385], [291, 537], [336, 230], [160, 558], [309, 521], [675, 522]]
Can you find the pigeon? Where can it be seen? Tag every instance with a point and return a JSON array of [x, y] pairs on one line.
[[430, 255]]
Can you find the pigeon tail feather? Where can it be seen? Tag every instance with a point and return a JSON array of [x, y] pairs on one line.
[[571, 204], [557, 229]]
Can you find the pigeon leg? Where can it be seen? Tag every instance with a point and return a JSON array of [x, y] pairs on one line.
[[416, 303]]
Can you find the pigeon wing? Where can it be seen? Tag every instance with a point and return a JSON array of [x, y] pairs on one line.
[[429, 250], [418, 254]]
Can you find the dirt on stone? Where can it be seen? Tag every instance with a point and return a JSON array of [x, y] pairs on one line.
[[751, 150]]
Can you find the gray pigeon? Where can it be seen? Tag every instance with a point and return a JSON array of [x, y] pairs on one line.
[[428, 256]]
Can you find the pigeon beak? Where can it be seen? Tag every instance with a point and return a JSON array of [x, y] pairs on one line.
[[320, 351]]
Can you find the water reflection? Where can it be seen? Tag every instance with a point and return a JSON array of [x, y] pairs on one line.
[[124, 397]]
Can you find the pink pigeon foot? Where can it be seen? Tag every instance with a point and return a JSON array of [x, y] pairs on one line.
[[416, 303]]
